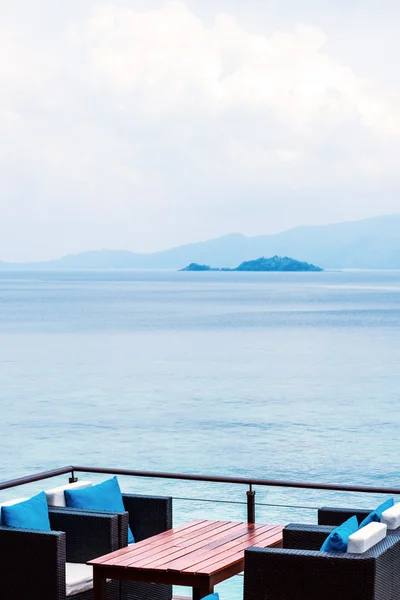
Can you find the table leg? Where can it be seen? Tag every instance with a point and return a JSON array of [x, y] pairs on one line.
[[99, 585], [202, 591]]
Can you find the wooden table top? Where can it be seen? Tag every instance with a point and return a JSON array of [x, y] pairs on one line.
[[200, 547]]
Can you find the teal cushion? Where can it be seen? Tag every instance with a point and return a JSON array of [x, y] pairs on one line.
[[376, 514], [104, 496], [30, 514], [212, 597], [338, 539]]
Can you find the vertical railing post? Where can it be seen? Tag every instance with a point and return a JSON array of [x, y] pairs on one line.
[[251, 505], [73, 479]]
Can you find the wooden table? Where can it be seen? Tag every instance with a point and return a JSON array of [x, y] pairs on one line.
[[199, 554]]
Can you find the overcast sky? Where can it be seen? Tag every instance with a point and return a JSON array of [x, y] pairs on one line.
[[141, 124]]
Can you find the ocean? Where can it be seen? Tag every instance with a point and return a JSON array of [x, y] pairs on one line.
[[279, 375]]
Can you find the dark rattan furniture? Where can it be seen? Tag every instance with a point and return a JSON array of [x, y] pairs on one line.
[[328, 515], [299, 571], [147, 516], [32, 563], [198, 555]]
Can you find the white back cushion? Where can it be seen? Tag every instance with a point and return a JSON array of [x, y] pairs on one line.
[[78, 577], [366, 537], [10, 503], [55, 496], [391, 516]]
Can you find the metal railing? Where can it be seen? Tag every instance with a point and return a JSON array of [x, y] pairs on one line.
[[250, 482]]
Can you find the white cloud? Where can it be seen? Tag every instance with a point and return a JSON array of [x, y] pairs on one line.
[[127, 125], [169, 55]]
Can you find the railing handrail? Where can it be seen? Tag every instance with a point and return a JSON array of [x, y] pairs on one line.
[[249, 481], [5, 485]]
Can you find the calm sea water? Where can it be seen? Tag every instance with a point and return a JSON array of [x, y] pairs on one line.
[[287, 376]]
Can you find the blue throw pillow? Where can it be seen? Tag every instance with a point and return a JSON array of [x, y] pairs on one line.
[[211, 597], [338, 539], [376, 514], [104, 496], [30, 514]]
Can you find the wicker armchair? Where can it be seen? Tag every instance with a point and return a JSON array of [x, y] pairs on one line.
[[299, 571], [33, 563], [147, 516], [328, 515]]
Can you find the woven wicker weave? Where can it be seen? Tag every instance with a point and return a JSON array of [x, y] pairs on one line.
[[32, 565], [328, 515], [305, 573], [147, 516]]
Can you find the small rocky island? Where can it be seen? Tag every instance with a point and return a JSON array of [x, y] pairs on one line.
[[275, 263]]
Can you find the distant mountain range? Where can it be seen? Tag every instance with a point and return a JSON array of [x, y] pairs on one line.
[[367, 244]]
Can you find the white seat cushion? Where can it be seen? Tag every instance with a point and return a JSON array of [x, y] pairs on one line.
[[11, 502], [391, 516], [366, 537], [55, 496], [79, 578]]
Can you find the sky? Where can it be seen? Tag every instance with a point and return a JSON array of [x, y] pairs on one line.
[[142, 125]]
